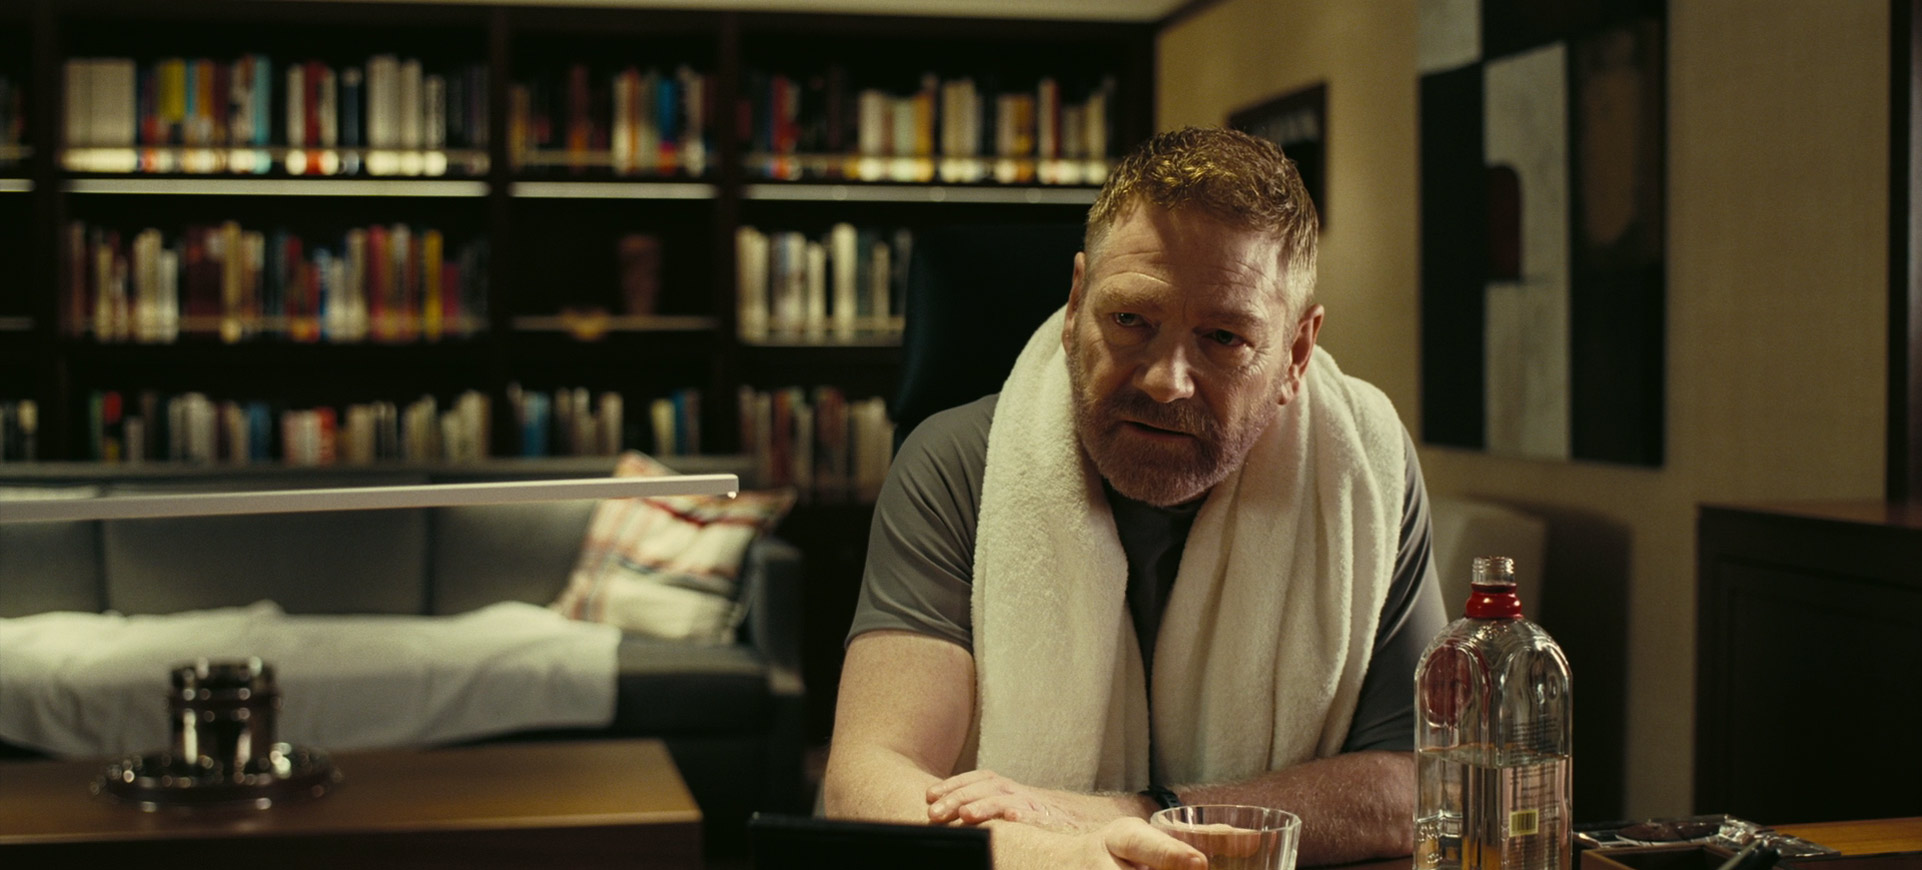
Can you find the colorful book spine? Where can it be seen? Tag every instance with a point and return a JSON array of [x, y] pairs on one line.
[[827, 446], [432, 298], [240, 284]]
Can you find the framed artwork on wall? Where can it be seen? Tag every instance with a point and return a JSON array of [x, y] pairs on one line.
[[1542, 227], [1298, 122]]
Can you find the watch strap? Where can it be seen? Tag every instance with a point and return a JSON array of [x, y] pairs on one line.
[[1162, 795]]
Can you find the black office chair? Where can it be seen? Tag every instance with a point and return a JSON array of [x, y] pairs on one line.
[[974, 296]]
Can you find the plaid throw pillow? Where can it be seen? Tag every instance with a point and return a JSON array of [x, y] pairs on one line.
[[668, 567]]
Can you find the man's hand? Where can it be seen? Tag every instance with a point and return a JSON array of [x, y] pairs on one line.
[[1127, 843], [982, 795]]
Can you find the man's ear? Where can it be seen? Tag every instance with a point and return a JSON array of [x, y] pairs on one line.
[[1302, 350], [1074, 299]]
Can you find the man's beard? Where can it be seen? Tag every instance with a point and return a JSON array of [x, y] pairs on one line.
[[1161, 474]]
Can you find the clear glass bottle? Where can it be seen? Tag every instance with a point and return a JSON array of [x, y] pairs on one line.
[[1492, 738]]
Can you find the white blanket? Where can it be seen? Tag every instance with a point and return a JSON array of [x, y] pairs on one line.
[[84, 685], [1266, 635]]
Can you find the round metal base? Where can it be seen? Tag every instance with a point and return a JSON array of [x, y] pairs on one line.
[[160, 780]]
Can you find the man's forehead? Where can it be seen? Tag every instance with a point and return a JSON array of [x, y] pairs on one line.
[[1151, 294], [1195, 243]]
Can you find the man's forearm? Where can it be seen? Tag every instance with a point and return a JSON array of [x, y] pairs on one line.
[[1352, 807], [877, 784]]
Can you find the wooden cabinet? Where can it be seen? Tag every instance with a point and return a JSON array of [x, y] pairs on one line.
[[1809, 664]]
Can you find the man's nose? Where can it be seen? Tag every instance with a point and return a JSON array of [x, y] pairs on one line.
[[1167, 375]]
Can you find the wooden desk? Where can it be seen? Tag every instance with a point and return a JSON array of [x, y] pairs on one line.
[[1871, 837], [592, 803]]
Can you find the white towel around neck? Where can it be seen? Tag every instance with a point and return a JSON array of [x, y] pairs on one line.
[[1266, 635]]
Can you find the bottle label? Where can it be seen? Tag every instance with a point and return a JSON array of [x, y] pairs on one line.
[[1522, 823]]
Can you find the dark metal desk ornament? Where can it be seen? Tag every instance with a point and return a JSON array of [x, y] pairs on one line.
[[223, 754]]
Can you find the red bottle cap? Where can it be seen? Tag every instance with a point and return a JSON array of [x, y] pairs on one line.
[[1492, 591]]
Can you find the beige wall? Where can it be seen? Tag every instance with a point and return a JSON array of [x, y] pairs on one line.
[[1777, 242]]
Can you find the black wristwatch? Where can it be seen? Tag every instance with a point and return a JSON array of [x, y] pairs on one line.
[[1163, 795]]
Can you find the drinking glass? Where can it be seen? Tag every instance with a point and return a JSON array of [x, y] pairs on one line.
[[1235, 837]]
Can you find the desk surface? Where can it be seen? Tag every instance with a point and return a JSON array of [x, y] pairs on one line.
[[1869, 837], [485, 802]]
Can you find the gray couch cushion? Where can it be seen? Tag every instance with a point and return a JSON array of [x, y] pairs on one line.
[[52, 565], [332, 562], [486, 554], [668, 688], [322, 562]]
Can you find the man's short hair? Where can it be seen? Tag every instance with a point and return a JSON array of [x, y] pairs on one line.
[[1239, 179]]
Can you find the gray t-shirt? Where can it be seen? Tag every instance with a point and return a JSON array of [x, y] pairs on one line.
[[920, 569]]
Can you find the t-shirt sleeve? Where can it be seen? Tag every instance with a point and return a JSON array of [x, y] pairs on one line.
[[920, 567], [1410, 618]]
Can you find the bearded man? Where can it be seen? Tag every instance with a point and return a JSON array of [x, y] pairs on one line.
[[1180, 557]]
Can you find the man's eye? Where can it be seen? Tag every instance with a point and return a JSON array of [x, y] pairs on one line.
[[1127, 319], [1225, 338]]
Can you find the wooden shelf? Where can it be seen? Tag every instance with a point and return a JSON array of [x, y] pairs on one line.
[[498, 468], [257, 354], [615, 324], [348, 187], [803, 191], [893, 341], [614, 189], [801, 359]]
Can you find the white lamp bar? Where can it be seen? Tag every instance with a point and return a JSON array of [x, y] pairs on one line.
[[204, 504]]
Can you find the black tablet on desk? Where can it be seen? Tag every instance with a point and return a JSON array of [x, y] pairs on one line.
[[783, 842]]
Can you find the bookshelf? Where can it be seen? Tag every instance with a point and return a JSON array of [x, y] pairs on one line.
[[18, 371], [597, 253]]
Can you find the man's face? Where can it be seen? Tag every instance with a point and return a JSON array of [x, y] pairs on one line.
[[1181, 349]]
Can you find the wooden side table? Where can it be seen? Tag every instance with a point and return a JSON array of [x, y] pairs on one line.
[[585, 804], [1810, 637]]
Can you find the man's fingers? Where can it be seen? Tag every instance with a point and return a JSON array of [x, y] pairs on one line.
[[941, 789], [1007, 807], [1014, 808], [948, 805], [1136, 841]]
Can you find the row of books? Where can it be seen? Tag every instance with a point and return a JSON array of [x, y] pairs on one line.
[[828, 447], [191, 427], [389, 283], [572, 421], [847, 285], [956, 130], [628, 121], [13, 121], [19, 431], [390, 116]]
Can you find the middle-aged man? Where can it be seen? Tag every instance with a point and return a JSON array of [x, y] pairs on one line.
[[1180, 556]]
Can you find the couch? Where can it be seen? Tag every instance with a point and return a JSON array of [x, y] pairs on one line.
[[731, 714]]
